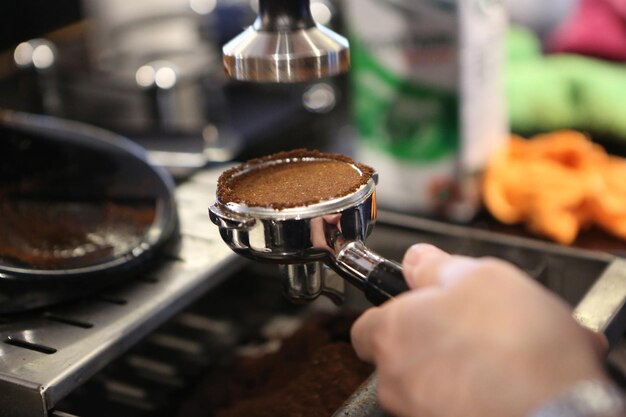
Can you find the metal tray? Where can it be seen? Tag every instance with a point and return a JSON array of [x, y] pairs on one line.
[[86, 337], [169, 359]]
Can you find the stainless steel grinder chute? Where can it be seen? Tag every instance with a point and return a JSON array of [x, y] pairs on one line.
[[304, 239]]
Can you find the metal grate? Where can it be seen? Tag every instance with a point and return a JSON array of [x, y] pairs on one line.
[[44, 356], [156, 376]]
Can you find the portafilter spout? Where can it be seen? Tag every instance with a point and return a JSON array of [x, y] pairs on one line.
[[303, 239], [285, 45]]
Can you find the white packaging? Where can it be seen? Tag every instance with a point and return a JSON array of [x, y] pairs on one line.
[[428, 98]]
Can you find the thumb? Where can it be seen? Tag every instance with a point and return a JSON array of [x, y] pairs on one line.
[[421, 265]]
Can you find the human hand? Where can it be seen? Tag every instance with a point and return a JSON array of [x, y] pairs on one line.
[[478, 338]]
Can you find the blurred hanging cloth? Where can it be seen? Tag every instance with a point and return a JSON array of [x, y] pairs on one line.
[[597, 28]]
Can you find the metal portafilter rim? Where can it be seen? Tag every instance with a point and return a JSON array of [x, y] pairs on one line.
[[332, 232], [302, 212]]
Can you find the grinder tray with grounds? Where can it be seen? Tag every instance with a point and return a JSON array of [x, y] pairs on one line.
[[57, 358]]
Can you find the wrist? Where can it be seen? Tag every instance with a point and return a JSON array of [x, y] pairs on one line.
[[591, 398]]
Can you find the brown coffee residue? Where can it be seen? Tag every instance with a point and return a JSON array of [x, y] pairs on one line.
[[298, 178], [63, 235], [311, 375]]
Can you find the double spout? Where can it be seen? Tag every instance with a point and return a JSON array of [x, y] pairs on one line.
[[380, 279]]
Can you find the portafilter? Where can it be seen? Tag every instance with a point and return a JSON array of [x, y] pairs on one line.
[[305, 235]]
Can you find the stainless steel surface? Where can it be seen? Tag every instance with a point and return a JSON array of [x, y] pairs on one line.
[[304, 282], [602, 308], [363, 402], [292, 239], [330, 231], [246, 314], [295, 235], [47, 356], [297, 56], [32, 382], [285, 45], [357, 259]]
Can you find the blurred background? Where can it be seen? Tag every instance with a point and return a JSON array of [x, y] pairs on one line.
[[436, 91], [151, 70]]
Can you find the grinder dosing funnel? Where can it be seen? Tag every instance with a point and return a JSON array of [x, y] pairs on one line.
[[285, 45], [304, 236]]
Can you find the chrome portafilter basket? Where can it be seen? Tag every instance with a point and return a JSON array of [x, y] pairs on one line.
[[303, 240]]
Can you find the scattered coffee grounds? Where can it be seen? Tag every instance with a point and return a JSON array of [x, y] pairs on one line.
[[298, 178], [311, 375], [62, 235]]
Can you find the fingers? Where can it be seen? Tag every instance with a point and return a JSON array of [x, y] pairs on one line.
[[380, 330], [362, 330], [421, 265], [599, 342], [426, 266]]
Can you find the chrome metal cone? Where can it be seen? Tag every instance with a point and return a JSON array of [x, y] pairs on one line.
[[286, 56]]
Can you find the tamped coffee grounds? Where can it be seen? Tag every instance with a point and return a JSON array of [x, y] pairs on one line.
[[292, 179]]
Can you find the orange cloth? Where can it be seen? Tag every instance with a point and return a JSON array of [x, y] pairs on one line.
[[597, 28], [557, 184]]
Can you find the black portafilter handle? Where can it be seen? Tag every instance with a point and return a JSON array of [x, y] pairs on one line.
[[384, 282], [379, 278], [284, 15]]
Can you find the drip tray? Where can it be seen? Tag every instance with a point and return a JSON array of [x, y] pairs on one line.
[[161, 374]]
